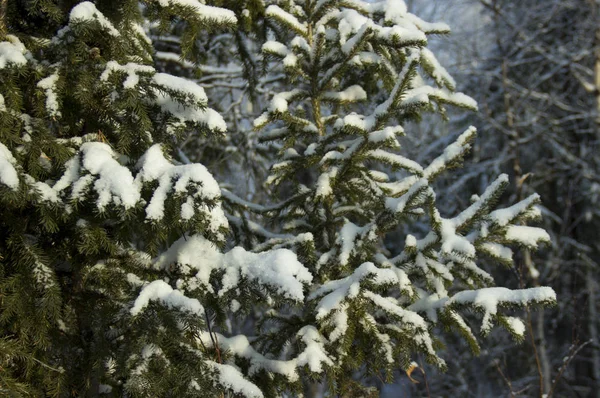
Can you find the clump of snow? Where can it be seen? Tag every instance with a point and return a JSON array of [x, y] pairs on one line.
[[46, 193], [131, 69], [179, 84], [335, 292], [439, 73], [398, 205], [12, 52], [278, 269], [231, 378], [191, 179], [314, 355], [488, 300], [323, 186], [277, 13], [279, 102], [207, 117], [503, 217], [525, 235], [48, 84], [87, 11], [114, 182], [452, 152], [453, 242], [8, 173], [351, 94], [516, 325], [275, 47], [203, 12], [161, 291]]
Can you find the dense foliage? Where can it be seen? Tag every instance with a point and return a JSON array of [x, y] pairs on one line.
[[126, 270]]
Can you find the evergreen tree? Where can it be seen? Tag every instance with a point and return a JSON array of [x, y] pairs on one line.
[[359, 73], [92, 199]]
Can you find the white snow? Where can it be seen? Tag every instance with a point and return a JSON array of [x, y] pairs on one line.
[[114, 183], [275, 47], [240, 346], [335, 292], [395, 160], [388, 133], [48, 84], [453, 242], [488, 299], [314, 355], [8, 173], [280, 15], [12, 52], [233, 379], [351, 94], [323, 185], [131, 69], [339, 319], [86, 12], [161, 291], [525, 235], [204, 12], [279, 102], [451, 153], [410, 318], [498, 250], [191, 179], [184, 86], [278, 269], [516, 325], [503, 217], [208, 117], [439, 73], [398, 205]]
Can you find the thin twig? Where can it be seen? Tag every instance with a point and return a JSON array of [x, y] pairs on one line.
[[424, 377], [573, 354], [3, 7], [214, 339], [506, 379], [59, 370]]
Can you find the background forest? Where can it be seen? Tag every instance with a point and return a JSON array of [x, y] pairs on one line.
[[533, 67], [254, 198]]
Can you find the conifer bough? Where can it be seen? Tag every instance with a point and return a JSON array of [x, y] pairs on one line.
[[118, 276]]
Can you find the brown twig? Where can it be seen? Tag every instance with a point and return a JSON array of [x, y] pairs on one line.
[[424, 378], [3, 8], [506, 379], [214, 340], [572, 354]]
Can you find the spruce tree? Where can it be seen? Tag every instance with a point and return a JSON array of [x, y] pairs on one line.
[[95, 210], [359, 74]]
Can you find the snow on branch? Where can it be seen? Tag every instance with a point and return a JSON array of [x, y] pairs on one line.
[[201, 11], [278, 270], [161, 291], [87, 12], [490, 299], [12, 52], [97, 164], [286, 19], [314, 354], [8, 173]]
